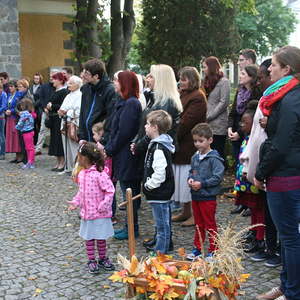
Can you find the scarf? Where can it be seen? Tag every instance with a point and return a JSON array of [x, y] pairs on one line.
[[276, 92], [242, 99]]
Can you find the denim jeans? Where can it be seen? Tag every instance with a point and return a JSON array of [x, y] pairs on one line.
[[162, 216], [285, 211], [135, 185], [2, 137]]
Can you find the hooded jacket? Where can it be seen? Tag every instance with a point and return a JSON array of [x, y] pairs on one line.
[[95, 195], [209, 171], [158, 181], [96, 105]]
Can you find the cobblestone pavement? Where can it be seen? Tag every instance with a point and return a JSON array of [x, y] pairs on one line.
[[42, 256]]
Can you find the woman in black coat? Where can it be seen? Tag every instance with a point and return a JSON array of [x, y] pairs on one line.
[[56, 146], [125, 122]]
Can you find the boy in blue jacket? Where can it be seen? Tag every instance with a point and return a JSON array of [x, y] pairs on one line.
[[158, 183], [205, 177]]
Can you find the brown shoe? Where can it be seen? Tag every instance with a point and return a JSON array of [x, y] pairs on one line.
[[189, 222], [180, 218], [273, 294], [38, 153]]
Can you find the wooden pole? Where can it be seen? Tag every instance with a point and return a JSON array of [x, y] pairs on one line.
[[130, 225]]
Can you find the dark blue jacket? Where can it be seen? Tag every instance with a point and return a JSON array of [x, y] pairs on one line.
[[209, 171], [125, 123], [12, 106], [96, 106]]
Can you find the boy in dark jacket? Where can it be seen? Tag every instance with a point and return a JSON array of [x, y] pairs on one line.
[[158, 180], [205, 177]]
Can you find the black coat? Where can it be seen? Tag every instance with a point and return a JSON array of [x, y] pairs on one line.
[[124, 126], [96, 105], [56, 146], [280, 153], [45, 93]]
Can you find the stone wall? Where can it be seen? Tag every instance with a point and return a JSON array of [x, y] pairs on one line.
[[10, 59]]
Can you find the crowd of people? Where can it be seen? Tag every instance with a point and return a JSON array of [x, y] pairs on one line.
[[167, 138]]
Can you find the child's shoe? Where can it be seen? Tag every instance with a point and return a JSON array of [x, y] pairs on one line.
[[209, 257], [93, 267], [196, 253], [106, 264]]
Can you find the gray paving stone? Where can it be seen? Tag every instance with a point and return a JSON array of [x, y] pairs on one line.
[[38, 243]]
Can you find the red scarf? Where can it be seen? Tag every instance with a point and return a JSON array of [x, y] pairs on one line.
[[266, 102]]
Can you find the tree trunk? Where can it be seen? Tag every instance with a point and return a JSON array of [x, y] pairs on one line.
[[121, 33], [94, 49]]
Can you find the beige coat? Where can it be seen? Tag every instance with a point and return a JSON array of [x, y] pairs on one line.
[[217, 107]]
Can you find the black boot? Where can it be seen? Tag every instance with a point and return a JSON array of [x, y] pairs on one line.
[[254, 246]]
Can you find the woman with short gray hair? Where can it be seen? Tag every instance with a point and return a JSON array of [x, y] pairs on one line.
[[69, 111]]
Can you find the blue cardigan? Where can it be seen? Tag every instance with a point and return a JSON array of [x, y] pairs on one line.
[[13, 104], [124, 127], [3, 103]]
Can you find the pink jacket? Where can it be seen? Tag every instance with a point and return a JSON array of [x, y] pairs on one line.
[[95, 194]]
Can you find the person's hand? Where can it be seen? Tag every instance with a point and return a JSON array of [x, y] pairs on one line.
[[71, 207], [81, 142], [263, 122], [8, 112], [229, 132], [259, 184], [196, 185], [132, 148], [61, 112], [190, 182], [49, 106], [234, 137]]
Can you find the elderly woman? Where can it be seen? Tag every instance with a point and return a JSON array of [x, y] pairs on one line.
[[194, 111], [69, 111], [279, 165]]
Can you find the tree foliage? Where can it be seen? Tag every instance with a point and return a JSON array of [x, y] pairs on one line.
[[268, 29], [179, 33]]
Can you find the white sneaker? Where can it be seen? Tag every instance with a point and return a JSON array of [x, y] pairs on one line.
[[194, 254], [62, 172]]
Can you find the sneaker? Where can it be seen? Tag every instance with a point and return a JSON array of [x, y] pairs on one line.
[[260, 256], [123, 235], [273, 294], [106, 264], [194, 254], [209, 257], [273, 261], [282, 297], [93, 267]]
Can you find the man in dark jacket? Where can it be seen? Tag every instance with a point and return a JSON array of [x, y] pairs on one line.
[[44, 94], [98, 97]]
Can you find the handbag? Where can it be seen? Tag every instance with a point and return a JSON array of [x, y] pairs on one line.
[[71, 129]]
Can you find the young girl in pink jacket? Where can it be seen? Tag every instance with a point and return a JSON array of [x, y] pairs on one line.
[[94, 199]]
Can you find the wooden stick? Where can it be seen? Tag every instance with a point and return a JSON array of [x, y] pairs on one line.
[[130, 223], [133, 198]]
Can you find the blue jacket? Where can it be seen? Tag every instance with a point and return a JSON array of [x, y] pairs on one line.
[[125, 123], [209, 171], [12, 106], [26, 122], [3, 103]]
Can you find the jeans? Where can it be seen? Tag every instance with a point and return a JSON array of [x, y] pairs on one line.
[[285, 212], [135, 185], [2, 137], [162, 216]]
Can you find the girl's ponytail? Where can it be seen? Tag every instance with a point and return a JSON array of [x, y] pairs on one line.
[[95, 155]]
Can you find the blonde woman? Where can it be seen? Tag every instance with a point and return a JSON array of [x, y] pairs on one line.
[[162, 83]]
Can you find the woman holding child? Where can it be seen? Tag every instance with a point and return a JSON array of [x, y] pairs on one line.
[[279, 165]]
